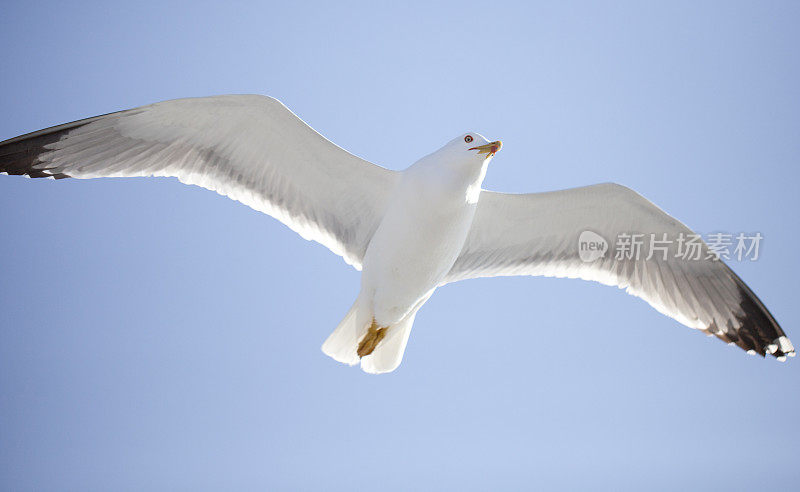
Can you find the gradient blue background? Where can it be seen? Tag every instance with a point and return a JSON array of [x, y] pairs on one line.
[[157, 336]]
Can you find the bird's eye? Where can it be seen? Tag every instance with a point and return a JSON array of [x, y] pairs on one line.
[[468, 138]]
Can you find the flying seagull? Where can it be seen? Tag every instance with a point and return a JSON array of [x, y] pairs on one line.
[[408, 232]]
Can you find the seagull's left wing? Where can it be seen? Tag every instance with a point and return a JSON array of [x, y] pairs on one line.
[[539, 234], [249, 148]]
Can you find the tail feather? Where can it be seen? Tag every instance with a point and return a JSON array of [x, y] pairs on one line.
[[389, 353], [342, 345]]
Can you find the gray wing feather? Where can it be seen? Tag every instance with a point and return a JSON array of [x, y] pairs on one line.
[[249, 148], [538, 234]]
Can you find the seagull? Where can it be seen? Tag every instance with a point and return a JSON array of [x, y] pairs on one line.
[[408, 232]]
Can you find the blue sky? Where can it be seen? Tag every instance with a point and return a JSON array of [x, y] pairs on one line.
[[158, 336]]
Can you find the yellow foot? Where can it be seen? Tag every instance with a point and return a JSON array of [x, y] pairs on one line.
[[371, 340]]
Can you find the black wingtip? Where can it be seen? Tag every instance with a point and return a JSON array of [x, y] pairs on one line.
[[758, 332], [19, 155]]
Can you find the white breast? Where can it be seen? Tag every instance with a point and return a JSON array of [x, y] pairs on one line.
[[416, 244]]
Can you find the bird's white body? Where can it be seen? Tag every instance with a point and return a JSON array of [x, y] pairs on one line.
[[408, 231], [421, 235], [423, 231]]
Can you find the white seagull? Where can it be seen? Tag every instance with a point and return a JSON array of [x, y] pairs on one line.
[[411, 231]]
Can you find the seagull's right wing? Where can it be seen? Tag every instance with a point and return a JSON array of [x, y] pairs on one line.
[[249, 148], [539, 234]]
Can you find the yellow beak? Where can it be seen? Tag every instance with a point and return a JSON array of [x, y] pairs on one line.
[[491, 148]]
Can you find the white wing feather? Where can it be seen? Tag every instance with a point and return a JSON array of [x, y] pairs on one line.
[[249, 148], [537, 234]]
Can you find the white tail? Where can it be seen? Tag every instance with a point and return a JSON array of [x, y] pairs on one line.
[[389, 353], [342, 344]]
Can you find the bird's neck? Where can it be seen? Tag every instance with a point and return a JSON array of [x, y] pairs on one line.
[[460, 180], [474, 186]]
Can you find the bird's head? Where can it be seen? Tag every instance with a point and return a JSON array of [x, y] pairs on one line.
[[466, 149], [462, 162], [475, 144]]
